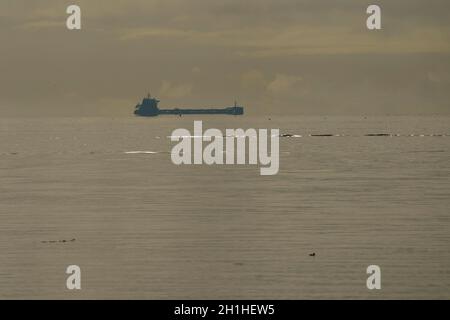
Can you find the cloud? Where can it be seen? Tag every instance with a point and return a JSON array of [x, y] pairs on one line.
[[253, 80], [42, 24], [139, 33], [283, 84], [291, 40], [257, 28], [169, 90], [196, 70]]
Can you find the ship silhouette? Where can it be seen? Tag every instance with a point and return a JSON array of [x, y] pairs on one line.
[[149, 108]]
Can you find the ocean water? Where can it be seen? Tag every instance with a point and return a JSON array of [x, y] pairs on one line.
[[103, 194]]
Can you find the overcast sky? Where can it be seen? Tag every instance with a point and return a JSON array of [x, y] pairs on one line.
[[273, 56]]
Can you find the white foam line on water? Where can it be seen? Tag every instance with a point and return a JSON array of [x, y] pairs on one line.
[[179, 137], [141, 152], [325, 135]]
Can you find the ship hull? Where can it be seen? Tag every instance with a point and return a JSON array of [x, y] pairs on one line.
[[142, 112]]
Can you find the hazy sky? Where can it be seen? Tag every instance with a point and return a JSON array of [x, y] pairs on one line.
[[273, 56]]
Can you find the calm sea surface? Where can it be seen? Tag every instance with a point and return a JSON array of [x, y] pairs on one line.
[[141, 227]]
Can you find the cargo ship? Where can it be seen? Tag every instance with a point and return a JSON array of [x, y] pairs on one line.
[[149, 108]]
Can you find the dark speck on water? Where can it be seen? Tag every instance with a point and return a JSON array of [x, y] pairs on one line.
[[58, 241]]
